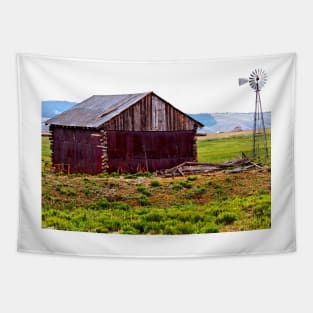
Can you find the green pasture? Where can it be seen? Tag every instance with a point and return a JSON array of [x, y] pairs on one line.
[[147, 204]]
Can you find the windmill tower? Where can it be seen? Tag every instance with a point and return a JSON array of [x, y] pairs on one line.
[[257, 80]]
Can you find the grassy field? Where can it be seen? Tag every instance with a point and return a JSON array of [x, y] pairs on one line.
[[146, 204], [226, 146]]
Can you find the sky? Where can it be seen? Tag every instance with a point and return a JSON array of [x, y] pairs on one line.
[[198, 86]]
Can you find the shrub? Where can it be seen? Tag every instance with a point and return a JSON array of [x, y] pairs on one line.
[[215, 211], [209, 228], [143, 174], [199, 190], [155, 183], [120, 205], [128, 229], [169, 230], [155, 215], [195, 192], [185, 228], [262, 209], [139, 225], [177, 186], [143, 200], [143, 190], [184, 216], [227, 179], [102, 203], [113, 174], [192, 178], [113, 225], [186, 184], [152, 227], [226, 218]]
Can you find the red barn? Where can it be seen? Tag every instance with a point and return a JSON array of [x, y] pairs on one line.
[[122, 133]]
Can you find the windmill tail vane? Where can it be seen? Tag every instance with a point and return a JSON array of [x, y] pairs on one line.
[[257, 80]]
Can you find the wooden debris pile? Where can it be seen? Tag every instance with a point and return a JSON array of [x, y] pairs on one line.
[[189, 168]]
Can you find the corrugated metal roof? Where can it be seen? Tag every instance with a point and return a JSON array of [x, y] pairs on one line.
[[97, 110]]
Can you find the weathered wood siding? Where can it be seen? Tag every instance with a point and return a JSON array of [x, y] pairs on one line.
[[150, 135], [150, 114], [83, 149], [132, 151]]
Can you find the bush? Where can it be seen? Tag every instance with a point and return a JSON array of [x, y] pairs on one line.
[[262, 209], [185, 228], [209, 228], [113, 225], [155, 215], [143, 200], [169, 230], [102, 203], [143, 190], [199, 190], [120, 205], [139, 225], [113, 174], [155, 183], [186, 184], [182, 184], [152, 227], [177, 186], [192, 178], [226, 218], [195, 192], [129, 230]]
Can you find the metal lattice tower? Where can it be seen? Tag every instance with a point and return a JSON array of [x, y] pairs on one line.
[[257, 80]]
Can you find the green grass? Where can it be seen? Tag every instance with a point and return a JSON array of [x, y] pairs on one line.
[[144, 204], [222, 149], [45, 152], [237, 214]]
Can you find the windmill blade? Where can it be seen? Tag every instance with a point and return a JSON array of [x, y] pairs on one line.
[[242, 81]]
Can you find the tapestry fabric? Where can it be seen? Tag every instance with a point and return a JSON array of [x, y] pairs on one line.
[[180, 158]]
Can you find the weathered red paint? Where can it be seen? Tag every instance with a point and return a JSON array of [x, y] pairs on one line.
[[132, 151], [149, 135], [78, 148]]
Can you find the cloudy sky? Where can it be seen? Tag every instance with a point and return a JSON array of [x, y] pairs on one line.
[[199, 86]]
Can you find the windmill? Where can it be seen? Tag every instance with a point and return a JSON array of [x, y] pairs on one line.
[[257, 80]]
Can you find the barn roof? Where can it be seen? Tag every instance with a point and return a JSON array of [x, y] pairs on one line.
[[97, 110]]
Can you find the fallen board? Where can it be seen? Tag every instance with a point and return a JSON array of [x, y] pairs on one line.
[[189, 168]]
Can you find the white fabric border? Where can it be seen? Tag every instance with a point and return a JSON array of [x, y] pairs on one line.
[[32, 238]]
